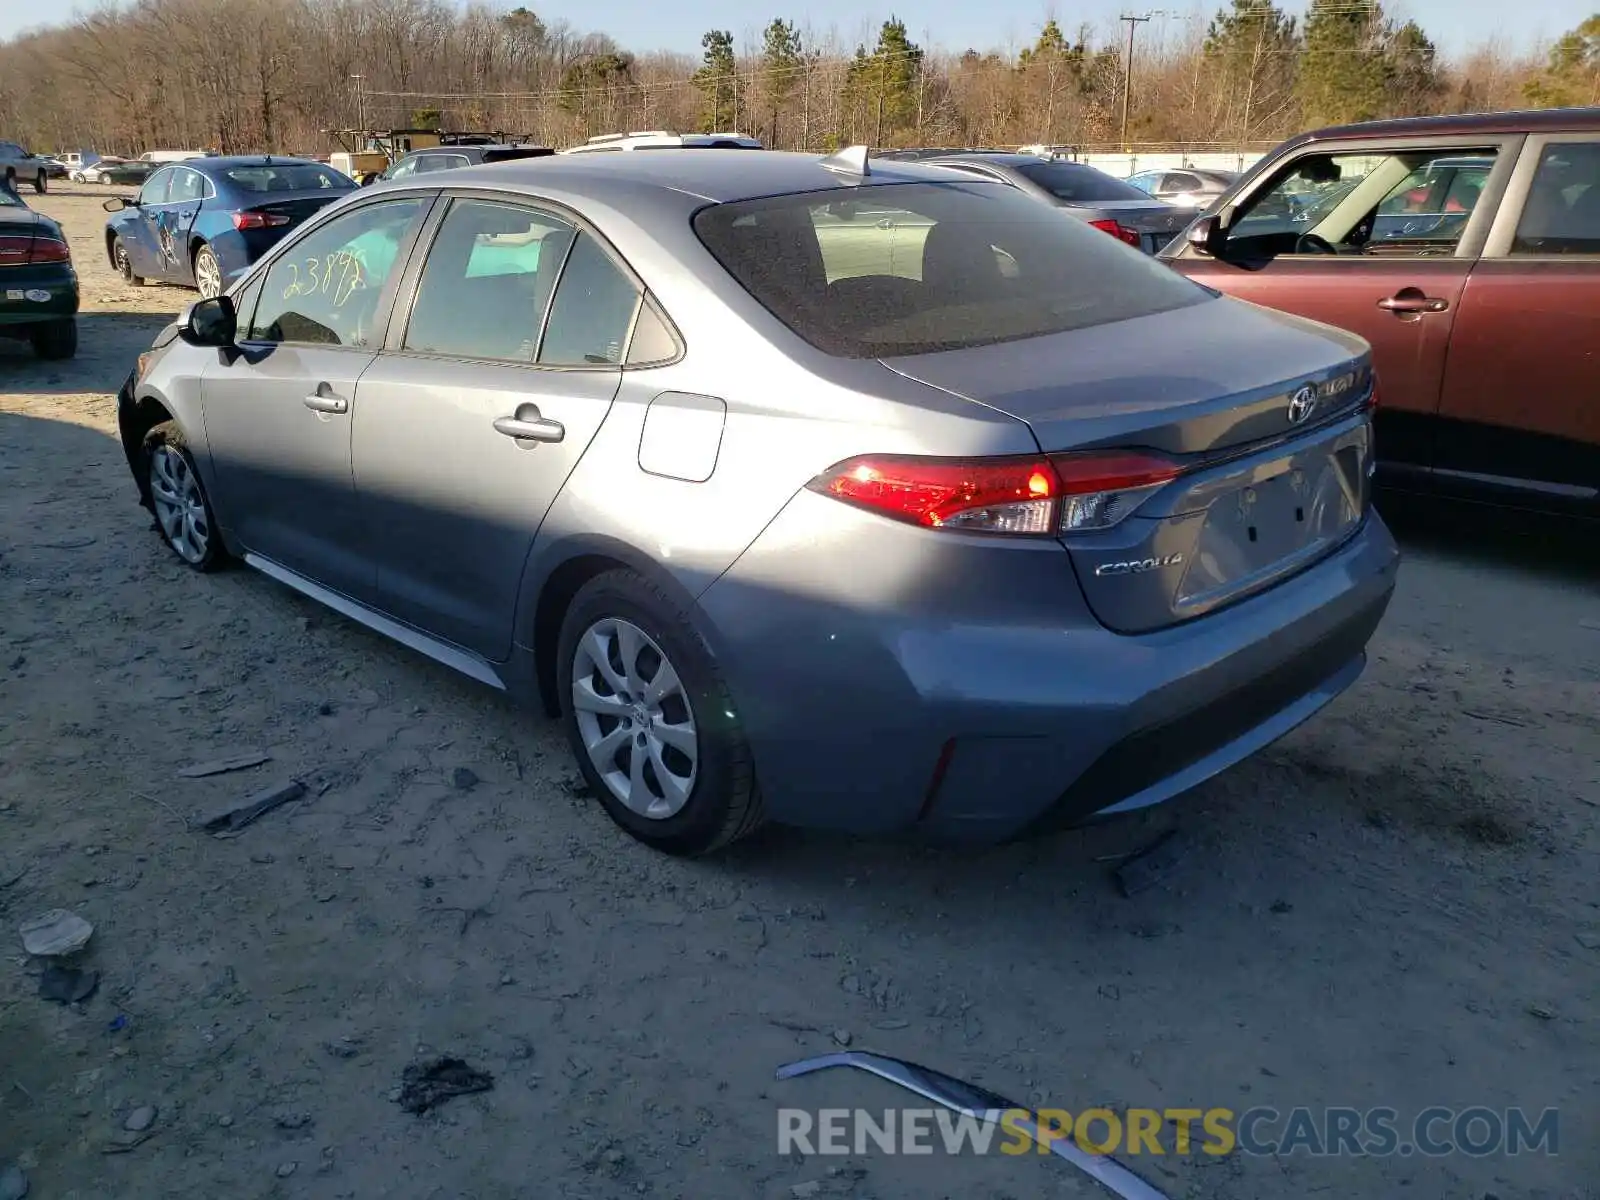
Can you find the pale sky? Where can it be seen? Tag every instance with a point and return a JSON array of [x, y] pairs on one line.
[[957, 24]]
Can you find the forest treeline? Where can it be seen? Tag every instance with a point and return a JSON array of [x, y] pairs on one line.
[[251, 75]]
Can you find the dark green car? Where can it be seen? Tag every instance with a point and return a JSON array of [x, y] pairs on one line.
[[38, 287]]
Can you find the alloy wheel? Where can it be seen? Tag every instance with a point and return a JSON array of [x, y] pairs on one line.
[[207, 275], [180, 506], [124, 267], [634, 718]]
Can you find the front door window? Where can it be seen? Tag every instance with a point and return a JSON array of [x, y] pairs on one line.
[[1409, 203]]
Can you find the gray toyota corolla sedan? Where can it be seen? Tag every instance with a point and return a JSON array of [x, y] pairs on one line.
[[876, 498]]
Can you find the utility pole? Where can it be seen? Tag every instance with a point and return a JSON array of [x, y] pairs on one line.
[[883, 71], [1133, 23], [361, 102]]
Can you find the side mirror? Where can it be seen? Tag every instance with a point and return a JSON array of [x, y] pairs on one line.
[[115, 204], [1203, 234], [210, 322]]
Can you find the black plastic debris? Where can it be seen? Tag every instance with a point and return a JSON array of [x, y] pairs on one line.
[[68, 985], [429, 1083], [1151, 865], [237, 816]]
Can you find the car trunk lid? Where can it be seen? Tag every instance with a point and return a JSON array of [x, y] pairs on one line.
[[297, 206], [1155, 221], [1260, 492]]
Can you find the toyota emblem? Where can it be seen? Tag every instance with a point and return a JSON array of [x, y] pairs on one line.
[[1302, 404]]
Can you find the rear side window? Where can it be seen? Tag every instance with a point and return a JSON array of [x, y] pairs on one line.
[[1562, 215], [592, 312], [892, 269]]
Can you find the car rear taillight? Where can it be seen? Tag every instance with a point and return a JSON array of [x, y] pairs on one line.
[[50, 250], [250, 219], [18, 251], [1121, 232], [1034, 495], [1100, 488]]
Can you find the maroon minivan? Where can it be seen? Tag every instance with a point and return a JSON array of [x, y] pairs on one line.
[[1466, 249]]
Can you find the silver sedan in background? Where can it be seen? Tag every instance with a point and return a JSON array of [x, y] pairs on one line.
[[1185, 187], [1086, 192], [870, 497]]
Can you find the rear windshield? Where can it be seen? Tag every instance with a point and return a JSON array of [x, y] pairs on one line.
[[288, 177], [490, 156], [1079, 184], [891, 269]]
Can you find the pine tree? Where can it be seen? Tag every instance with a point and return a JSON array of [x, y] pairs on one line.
[[718, 81], [882, 87], [1413, 82], [1572, 75], [1055, 67], [782, 58], [1251, 49], [1343, 71]]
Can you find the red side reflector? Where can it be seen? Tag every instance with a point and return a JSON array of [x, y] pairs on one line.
[[1121, 232]]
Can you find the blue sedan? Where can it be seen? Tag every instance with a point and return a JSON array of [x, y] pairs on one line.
[[203, 221]]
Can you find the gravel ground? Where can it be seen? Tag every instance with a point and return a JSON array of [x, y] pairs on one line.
[[1394, 906]]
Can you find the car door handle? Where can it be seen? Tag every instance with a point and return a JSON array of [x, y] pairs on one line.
[[1409, 300], [318, 402], [531, 429]]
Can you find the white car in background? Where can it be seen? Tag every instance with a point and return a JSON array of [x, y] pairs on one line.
[[665, 139], [94, 172]]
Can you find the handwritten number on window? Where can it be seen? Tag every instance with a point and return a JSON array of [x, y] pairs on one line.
[[339, 276]]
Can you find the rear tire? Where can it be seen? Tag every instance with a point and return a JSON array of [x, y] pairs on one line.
[[671, 698], [207, 273], [55, 339], [40, 182]]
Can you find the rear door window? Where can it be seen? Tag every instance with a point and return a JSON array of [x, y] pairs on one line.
[[1562, 213], [893, 269], [487, 282]]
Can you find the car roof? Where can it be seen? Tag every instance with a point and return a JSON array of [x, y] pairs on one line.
[[244, 160], [1528, 121], [720, 176]]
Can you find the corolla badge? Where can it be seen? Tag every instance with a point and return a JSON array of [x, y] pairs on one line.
[[1302, 404], [1135, 566]]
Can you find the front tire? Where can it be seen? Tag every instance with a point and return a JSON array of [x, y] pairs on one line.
[[207, 273], [650, 719], [178, 499], [55, 339], [40, 183], [124, 264]]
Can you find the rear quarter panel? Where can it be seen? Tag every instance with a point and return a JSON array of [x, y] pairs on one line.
[[791, 412]]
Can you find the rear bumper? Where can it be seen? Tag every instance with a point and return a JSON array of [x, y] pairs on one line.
[[58, 284], [978, 705]]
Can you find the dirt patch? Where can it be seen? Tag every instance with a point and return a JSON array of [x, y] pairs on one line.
[[1367, 915]]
